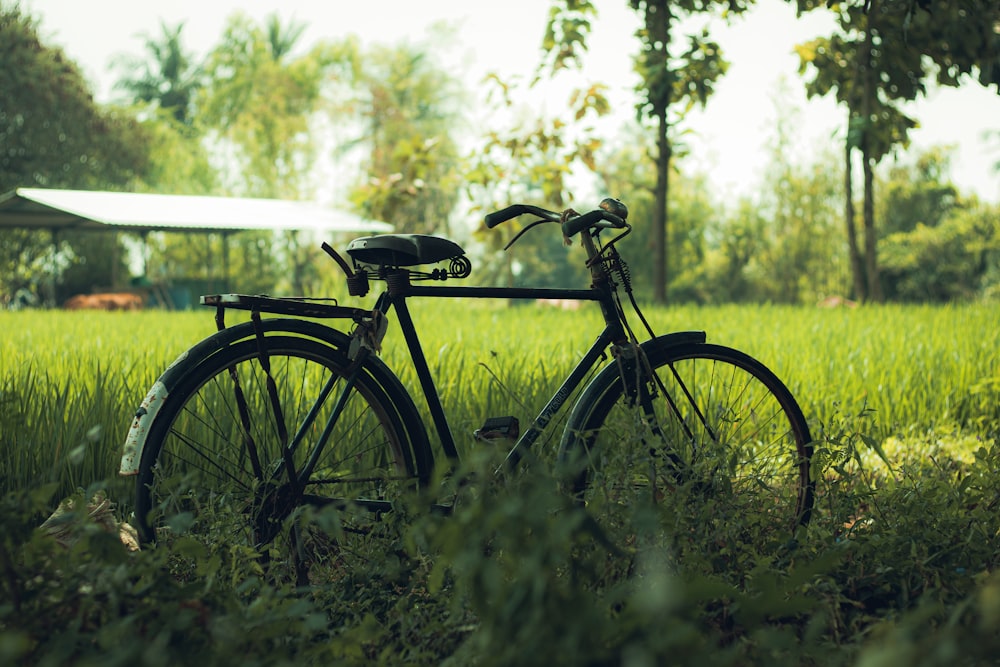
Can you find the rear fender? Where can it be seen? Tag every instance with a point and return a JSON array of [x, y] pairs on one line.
[[145, 415]]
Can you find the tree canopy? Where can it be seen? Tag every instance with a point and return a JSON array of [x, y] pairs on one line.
[[53, 134]]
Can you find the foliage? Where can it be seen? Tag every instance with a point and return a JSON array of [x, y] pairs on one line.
[[257, 117], [671, 86], [46, 98], [54, 135], [780, 245], [408, 107], [673, 80], [956, 37], [259, 100], [953, 260], [531, 158], [895, 569], [398, 113], [698, 221], [92, 602], [729, 271], [936, 245], [884, 54], [169, 81], [962, 39], [566, 34], [918, 192], [800, 254], [870, 75], [179, 158], [260, 103], [164, 87]]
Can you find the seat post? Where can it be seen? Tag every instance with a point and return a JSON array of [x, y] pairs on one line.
[[397, 282]]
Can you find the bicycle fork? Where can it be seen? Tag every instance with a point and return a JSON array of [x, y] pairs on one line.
[[642, 386]]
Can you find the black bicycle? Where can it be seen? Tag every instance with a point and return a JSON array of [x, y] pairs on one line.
[[294, 438]]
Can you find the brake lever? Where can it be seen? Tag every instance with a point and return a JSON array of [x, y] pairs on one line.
[[522, 232]]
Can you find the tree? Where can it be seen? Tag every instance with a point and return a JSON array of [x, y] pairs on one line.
[[52, 131], [937, 244], [870, 77], [53, 134], [629, 172], [530, 161], [959, 258], [918, 192], [961, 37], [168, 79], [259, 104], [408, 117], [677, 74], [799, 255], [258, 101], [884, 53]]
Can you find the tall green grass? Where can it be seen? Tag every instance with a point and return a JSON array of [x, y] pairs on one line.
[[70, 381]]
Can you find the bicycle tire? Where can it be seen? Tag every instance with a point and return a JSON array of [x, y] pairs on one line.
[[197, 474], [735, 479]]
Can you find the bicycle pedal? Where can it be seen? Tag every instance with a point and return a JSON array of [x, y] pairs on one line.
[[498, 428]]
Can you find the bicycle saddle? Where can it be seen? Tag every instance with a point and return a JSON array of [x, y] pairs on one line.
[[403, 249]]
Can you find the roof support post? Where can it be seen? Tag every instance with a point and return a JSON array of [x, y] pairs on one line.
[[225, 261]]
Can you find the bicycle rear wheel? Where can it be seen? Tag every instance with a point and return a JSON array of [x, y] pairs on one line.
[[718, 445], [225, 456]]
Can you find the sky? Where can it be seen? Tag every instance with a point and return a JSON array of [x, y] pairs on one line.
[[728, 141]]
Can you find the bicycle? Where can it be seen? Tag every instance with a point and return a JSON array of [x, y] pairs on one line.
[[278, 416]]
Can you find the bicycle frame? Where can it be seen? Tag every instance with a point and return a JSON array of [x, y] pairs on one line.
[[399, 291]]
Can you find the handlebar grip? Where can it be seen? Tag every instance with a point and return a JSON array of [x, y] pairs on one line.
[[574, 226], [503, 215]]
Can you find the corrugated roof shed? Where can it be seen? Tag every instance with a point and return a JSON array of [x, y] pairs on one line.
[[38, 208]]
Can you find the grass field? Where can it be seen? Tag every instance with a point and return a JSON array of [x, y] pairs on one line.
[[69, 381], [898, 565]]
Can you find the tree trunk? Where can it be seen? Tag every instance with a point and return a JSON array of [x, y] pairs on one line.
[[660, 216], [871, 252], [871, 255], [857, 267], [658, 24]]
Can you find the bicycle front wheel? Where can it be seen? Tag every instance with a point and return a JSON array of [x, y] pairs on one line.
[[261, 429], [712, 438]]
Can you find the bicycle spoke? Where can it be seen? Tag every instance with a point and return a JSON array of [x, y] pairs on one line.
[[710, 438], [211, 460], [344, 429]]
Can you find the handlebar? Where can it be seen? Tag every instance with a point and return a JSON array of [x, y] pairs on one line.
[[503, 215], [598, 218], [612, 213]]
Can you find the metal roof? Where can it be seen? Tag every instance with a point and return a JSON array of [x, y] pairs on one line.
[[38, 208]]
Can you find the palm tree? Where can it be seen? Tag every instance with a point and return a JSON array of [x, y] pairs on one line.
[[281, 39], [168, 79]]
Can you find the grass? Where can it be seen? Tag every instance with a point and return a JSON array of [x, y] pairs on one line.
[[69, 381], [896, 568]]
